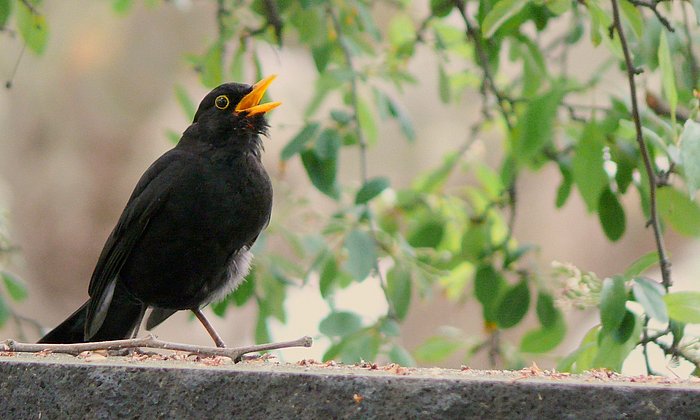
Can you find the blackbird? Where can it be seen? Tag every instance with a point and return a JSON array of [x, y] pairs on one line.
[[184, 237]]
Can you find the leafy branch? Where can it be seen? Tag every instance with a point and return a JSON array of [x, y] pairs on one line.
[[654, 220]]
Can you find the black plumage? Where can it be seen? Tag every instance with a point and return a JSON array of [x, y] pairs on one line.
[[184, 237]]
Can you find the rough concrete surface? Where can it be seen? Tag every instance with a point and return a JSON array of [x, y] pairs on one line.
[[60, 386]]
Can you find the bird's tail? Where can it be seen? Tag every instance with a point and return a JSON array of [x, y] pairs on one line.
[[122, 318]]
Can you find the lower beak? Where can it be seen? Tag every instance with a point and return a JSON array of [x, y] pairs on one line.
[[251, 102]]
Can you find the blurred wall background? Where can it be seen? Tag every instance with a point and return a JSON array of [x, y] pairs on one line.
[[82, 123]]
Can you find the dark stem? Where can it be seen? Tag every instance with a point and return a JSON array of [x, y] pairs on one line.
[[489, 81], [664, 262], [652, 5], [362, 143]]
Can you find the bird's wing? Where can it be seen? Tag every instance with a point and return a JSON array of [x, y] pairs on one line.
[[148, 197]]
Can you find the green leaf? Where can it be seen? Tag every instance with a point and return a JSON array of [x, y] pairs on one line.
[[121, 7], [564, 190], [544, 339], [262, 332], [456, 281], [362, 254], [364, 346], [372, 188], [536, 127], [441, 8], [641, 265], [668, 79], [611, 352], [173, 136], [611, 215], [244, 291], [634, 17], [405, 123], [690, 155], [4, 311], [367, 122], [212, 66], [15, 287], [696, 9], [238, 64], [298, 143], [649, 294], [487, 284], [428, 234], [5, 11], [400, 355], [612, 302], [679, 211], [402, 34], [444, 85], [327, 277], [626, 328], [513, 305], [398, 284], [340, 324], [581, 359], [436, 349], [32, 27], [322, 172], [499, 14], [547, 313], [328, 144], [587, 166], [434, 180], [684, 306], [185, 101], [490, 181]]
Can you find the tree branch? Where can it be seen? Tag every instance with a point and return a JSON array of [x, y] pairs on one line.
[[362, 143], [664, 262], [652, 5], [489, 81], [152, 342]]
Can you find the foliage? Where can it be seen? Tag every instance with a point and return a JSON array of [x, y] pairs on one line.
[[413, 240]]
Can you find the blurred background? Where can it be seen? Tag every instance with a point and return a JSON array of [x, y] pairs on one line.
[[83, 121]]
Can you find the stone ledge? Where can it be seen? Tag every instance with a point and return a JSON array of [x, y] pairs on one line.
[[59, 386]]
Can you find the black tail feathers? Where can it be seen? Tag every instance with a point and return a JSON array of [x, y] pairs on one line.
[[122, 318]]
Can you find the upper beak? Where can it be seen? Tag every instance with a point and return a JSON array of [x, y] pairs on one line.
[[251, 102]]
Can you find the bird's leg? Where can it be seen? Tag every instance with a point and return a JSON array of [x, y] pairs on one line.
[[138, 325], [210, 329], [135, 350]]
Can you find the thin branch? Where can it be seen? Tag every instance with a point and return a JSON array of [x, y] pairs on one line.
[[30, 6], [652, 5], [489, 81], [664, 262], [152, 342], [361, 141]]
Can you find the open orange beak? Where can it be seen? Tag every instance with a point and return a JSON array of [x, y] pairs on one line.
[[251, 102]]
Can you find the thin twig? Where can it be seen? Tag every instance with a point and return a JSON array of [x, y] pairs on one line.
[[652, 5], [489, 81], [664, 262], [152, 342], [361, 141]]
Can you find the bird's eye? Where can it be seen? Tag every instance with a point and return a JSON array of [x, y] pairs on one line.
[[221, 102]]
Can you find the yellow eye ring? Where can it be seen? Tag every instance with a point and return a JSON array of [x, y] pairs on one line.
[[221, 102]]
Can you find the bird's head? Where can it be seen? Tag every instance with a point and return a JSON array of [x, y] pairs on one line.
[[234, 110]]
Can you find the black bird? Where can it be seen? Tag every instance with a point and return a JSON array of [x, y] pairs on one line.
[[184, 238]]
